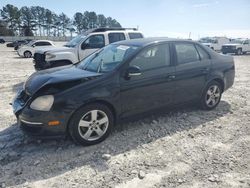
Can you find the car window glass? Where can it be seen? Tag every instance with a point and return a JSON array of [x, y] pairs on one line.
[[202, 52], [186, 53], [246, 42], [94, 41], [152, 57], [114, 37], [135, 35]]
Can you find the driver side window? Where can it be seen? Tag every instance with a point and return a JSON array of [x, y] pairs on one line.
[[94, 41]]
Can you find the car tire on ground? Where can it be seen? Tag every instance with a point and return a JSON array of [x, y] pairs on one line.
[[211, 96], [27, 54], [91, 124], [239, 51]]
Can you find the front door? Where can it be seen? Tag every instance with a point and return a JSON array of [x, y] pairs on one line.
[[90, 45], [152, 89]]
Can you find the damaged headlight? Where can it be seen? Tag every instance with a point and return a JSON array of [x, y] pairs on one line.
[[42, 103]]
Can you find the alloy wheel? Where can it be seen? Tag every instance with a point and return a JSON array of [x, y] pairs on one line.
[[213, 96], [93, 125]]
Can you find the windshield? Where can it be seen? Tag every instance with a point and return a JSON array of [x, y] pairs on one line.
[[107, 59], [236, 41], [208, 40], [75, 41]]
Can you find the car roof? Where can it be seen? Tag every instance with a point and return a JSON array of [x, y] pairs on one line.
[[43, 41], [148, 41]]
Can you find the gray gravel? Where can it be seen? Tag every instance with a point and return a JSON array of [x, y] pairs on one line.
[[185, 147]]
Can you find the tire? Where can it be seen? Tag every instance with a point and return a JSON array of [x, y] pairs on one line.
[[27, 54], [91, 124], [239, 51], [211, 96]]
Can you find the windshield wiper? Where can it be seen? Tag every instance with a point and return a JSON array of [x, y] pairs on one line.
[[100, 66]]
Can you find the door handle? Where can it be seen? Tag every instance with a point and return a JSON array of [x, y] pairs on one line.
[[205, 70], [170, 77]]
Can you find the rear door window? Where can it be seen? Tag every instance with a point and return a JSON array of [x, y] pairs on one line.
[[135, 35], [203, 54], [42, 44], [186, 53], [115, 37]]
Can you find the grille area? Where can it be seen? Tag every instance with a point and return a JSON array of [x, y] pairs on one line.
[[24, 97], [39, 60]]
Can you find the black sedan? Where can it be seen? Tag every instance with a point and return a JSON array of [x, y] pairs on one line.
[[123, 79], [2, 41]]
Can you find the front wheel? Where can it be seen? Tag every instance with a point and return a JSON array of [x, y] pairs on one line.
[[239, 51], [211, 96], [91, 124], [27, 54]]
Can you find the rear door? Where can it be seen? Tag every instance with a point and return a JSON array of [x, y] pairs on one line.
[[193, 65]]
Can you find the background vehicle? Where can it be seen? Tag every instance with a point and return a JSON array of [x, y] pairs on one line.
[[29, 49], [215, 43], [237, 46], [82, 46], [2, 41], [120, 80], [18, 45]]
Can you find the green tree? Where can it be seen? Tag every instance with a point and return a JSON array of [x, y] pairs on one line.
[[64, 22], [28, 23], [101, 20], [11, 15]]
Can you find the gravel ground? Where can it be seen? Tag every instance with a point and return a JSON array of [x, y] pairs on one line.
[[185, 147]]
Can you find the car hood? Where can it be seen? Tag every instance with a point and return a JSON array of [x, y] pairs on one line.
[[207, 44], [55, 76], [55, 49]]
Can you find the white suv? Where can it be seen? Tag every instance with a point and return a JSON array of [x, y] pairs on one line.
[[215, 43], [237, 46], [82, 46], [29, 49]]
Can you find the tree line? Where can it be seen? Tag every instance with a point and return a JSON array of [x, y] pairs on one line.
[[39, 21]]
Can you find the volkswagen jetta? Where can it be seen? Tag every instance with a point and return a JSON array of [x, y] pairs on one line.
[[122, 79]]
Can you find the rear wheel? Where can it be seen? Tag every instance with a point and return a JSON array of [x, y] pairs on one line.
[[239, 51], [91, 124], [211, 96], [27, 54]]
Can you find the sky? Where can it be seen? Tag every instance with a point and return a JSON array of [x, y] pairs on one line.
[[170, 18]]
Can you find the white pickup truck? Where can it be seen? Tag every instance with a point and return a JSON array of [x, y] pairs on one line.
[[215, 43], [237, 46], [82, 46]]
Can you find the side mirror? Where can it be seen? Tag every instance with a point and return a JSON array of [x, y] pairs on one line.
[[133, 71], [33, 45]]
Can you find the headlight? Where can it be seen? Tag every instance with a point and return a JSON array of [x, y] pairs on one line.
[[50, 56], [43, 103]]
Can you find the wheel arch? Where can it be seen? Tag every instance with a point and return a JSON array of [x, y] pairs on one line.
[[98, 101], [217, 79], [27, 51]]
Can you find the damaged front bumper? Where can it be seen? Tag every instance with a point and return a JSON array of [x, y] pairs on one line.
[[37, 123]]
